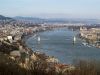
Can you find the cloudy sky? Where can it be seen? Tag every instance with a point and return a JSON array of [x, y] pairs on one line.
[[51, 8]]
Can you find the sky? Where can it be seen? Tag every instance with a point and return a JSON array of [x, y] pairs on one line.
[[51, 8]]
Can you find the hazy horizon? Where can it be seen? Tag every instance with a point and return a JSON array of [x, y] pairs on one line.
[[51, 8]]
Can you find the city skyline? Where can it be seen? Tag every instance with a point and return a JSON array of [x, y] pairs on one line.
[[51, 8]]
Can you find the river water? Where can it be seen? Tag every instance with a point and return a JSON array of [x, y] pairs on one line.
[[59, 43]]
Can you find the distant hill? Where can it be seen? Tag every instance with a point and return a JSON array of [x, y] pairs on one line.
[[29, 19], [5, 18], [57, 20]]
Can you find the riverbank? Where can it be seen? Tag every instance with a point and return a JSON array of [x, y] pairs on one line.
[[91, 36]]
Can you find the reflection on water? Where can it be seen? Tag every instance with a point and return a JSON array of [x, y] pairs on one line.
[[59, 43]]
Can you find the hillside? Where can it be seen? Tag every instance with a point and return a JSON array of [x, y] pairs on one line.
[[5, 18]]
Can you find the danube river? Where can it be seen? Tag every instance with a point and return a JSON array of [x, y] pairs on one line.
[[59, 43]]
